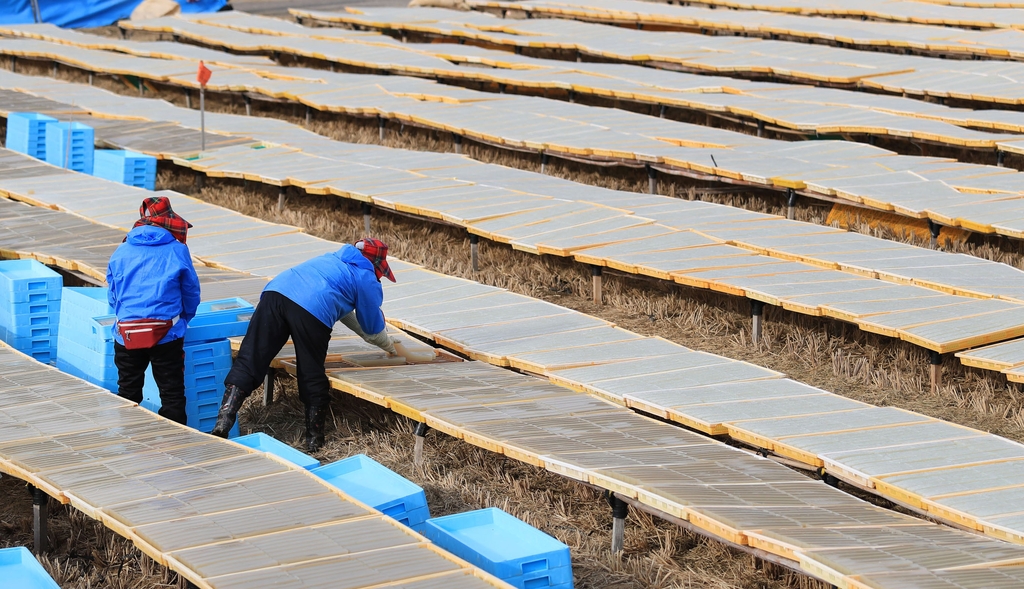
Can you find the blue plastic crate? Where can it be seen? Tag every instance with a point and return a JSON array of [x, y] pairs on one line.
[[33, 307], [17, 320], [127, 167], [18, 568], [504, 546], [200, 402], [219, 319], [204, 425], [368, 481], [99, 367], [29, 343], [67, 368], [23, 281], [270, 445], [76, 154], [26, 133], [413, 518], [206, 380], [85, 301]]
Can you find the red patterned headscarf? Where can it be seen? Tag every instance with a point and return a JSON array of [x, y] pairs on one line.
[[156, 211]]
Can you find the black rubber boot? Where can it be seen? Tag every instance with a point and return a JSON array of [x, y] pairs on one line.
[[233, 398], [315, 418]]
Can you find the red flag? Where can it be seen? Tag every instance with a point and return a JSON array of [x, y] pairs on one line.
[[203, 75]]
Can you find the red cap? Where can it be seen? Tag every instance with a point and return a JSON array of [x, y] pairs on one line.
[[377, 252]]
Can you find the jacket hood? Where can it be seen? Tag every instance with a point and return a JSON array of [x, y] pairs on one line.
[[350, 255], [150, 235]]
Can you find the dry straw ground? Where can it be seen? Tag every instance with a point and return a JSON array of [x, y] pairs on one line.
[[824, 353]]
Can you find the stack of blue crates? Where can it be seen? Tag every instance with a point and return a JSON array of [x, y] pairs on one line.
[[207, 361], [19, 569], [368, 481], [26, 133], [70, 145], [127, 167], [270, 445], [507, 547], [85, 344], [30, 308]]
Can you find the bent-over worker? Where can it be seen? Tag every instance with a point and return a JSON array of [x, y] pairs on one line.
[[154, 291], [304, 303]]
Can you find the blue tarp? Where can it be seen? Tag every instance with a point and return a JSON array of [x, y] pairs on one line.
[[87, 13]]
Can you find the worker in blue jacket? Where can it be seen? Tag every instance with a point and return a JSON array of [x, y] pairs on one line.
[[154, 291], [304, 303]]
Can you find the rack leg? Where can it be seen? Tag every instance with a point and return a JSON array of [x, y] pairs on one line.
[[935, 370], [620, 509], [757, 317], [268, 387], [421, 436], [474, 251], [40, 505]]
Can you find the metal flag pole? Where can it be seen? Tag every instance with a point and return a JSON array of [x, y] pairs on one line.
[[202, 115]]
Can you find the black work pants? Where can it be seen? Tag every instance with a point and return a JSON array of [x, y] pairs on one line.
[[168, 360], [275, 320]]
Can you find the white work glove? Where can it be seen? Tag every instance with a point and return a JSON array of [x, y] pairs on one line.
[[382, 340]]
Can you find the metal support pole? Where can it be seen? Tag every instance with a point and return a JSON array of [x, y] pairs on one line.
[[421, 436], [380, 127], [280, 199], [366, 218], [474, 251], [268, 387], [248, 104], [620, 509], [595, 272], [790, 203], [40, 503], [999, 157], [543, 162], [756, 315], [935, 370], [760, 128], [458, 143], [309, 115], [202, 116], [652, 179], [934, 229]]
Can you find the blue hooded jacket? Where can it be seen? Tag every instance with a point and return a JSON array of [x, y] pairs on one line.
[[151, 276], [332, 285]]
